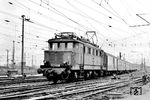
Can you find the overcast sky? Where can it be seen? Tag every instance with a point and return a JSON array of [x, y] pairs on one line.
[[121, 26]]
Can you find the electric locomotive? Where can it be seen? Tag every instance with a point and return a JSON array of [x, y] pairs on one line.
[[70, 57]]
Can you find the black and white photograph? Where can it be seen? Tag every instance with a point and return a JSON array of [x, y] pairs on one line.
[[74, 50]]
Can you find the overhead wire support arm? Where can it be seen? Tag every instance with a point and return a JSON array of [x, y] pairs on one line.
[[148, 23], [143, 18]]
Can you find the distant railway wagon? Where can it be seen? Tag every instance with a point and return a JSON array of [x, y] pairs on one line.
[[70, 57]]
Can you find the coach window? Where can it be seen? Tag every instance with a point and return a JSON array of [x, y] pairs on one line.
[[62, 46], [54, 46], [66, 45], [96, 52], [58, 45], [70, 45], [86, 49], [83, 49], [89, 50], [74, 44], [93, 51], [100, 53], [51, 45]]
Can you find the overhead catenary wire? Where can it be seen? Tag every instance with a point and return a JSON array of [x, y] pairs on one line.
[[17, 40], [94, 19], [107, 16], [102, 24], [82, 14], [35, 22], [14, 30], [105, 8], [86, 16], [12, 15], [79, 12], [62, 14], [87, 20], [103, 38], [117, 14], [46, 16], [97, 21], [125, 21]]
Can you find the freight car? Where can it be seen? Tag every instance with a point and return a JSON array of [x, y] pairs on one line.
[[71, 58]]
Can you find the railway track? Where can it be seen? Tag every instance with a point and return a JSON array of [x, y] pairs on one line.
[[10, 81], [49, 91], [86, 91], [25, 85], [22, 87], [23, 91]]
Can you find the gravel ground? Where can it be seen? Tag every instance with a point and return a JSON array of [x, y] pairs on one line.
[[145, 94], [124, 93]]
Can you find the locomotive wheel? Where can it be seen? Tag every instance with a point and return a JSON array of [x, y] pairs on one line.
[[74, 76], [54, 80], [87, 76], [94, 74], [101, 73], [55, 77], [39, 71], [48, 78], [65, 75]]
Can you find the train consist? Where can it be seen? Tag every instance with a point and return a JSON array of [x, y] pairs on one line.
[[71, 58]]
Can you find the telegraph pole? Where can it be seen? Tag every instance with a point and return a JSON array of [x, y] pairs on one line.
[[144, 65], [13, 55], [7, 58], [141, 62], [32, 60], [22, 53]]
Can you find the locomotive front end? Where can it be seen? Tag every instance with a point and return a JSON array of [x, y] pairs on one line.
[[57, 65]]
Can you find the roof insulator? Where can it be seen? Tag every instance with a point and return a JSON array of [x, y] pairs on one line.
[[10, 3], [109, 25], [110, 17]]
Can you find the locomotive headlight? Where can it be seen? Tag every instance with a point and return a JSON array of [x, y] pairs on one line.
[[39, 71]]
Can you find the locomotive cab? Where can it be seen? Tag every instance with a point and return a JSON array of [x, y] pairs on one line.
[[57, 63], [59, 59]]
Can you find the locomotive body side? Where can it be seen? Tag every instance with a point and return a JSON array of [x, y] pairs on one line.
[[92, 58]]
